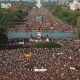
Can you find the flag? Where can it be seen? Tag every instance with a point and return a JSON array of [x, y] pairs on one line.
[[27, 55]]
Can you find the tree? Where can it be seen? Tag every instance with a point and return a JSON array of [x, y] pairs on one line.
[[78, 20], [3, 36], [66, 15], [47, 45]]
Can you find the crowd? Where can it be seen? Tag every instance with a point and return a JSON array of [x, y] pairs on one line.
[[49, 23], [61, 63]]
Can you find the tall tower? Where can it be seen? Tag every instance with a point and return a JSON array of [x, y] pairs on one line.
[[38, 3]]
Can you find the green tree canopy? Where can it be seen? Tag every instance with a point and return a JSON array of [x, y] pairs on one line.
[[65, 14], [47, 45]]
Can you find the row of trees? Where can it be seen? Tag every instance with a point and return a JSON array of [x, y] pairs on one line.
[[47, 45], [7, 16], [65, 14]]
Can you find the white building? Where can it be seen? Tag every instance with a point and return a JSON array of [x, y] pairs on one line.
[[5, 5], [63, 2], [75, 5]]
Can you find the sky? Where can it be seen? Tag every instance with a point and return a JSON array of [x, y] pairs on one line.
[[25, 0], [13, 0], [17, 0]]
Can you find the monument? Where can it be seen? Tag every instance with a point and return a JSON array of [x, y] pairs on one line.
[[39, 34], [38, 4]]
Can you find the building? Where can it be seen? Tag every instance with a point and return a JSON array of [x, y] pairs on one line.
[[5, 5], [10, 6], [63, 2], [75, 5], [16, 5]]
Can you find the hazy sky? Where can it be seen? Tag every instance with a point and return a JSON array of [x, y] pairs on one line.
[[14, 0], [17, 0], [24, 0]]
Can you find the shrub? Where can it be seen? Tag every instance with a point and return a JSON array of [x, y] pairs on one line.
[[47, 45]]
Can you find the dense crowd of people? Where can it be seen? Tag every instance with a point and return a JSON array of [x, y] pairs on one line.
[[61, 63], [49, 23]]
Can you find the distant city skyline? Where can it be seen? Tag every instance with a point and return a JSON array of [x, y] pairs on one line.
[[60, 2], [26, 0]]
